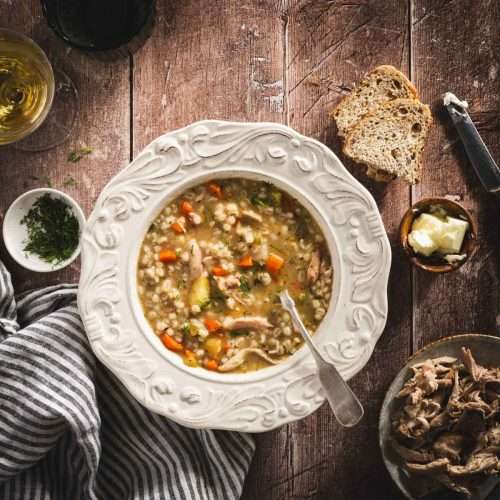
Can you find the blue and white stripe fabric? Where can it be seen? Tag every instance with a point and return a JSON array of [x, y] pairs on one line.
[[70, 431]]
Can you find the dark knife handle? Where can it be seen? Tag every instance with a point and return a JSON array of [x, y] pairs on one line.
[[481, 159]]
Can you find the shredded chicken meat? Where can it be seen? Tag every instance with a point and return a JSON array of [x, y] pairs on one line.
[[448, 426], [195, 260]]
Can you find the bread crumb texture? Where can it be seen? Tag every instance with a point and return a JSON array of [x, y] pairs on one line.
[[383, 84], [384, 125], [392, 138]]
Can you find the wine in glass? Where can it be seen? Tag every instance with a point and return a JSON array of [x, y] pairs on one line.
[[26, 86], [38, 103]]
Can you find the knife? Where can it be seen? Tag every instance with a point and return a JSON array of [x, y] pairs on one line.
[[482, 161]]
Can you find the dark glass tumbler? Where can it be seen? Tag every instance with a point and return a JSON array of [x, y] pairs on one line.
[[97, 24]]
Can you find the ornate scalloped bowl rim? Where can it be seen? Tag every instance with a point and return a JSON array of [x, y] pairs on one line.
[[118, 331]]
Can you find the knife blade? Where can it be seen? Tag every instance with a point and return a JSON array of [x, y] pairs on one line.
[[479, 156]]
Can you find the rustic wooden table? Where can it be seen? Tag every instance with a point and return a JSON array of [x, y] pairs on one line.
[[290, 61]]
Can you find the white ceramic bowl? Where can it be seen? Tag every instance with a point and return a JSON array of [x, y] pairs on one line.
[[109, 303], [15, 233]]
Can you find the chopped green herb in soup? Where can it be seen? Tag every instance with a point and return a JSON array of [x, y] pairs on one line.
[[212, 266]]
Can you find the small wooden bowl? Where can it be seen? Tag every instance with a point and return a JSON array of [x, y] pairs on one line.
[[436, 264]]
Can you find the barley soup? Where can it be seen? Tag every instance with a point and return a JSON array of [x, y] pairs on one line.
[[212, 265]]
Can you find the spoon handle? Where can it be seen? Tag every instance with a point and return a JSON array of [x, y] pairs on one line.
[[299, 325], [344, 403]]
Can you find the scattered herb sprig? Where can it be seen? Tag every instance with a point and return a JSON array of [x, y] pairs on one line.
[[76, 155], [53, 230], [43, 179], [69, 182]]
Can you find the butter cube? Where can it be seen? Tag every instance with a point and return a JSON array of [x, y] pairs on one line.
[[452, 236], [421, 242], [429, 223], [460, 224]]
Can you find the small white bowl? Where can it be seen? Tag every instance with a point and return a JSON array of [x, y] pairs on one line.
[[15, 234]]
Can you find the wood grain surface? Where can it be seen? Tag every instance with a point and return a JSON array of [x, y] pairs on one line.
[[456, 47], [102, 124], [321, 37], [290, 61]]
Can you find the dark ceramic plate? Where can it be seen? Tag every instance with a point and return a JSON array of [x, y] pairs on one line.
[[486, 351]]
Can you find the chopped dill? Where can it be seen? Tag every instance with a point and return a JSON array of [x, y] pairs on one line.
[[244, 285], [258, 201], [53, 230]]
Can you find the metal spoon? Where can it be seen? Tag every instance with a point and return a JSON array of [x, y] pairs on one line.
[[345, 405]]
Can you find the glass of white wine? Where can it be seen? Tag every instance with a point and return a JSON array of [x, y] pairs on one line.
[[27, 86]]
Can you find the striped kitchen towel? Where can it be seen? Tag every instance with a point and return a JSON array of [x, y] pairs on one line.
[[70, 431]]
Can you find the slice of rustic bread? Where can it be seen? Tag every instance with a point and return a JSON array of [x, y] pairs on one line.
[[391, 138], [383, 84]]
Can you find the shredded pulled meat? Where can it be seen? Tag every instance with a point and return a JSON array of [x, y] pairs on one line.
[[195, 260], [244, 322], [313, 268], [448, 426]]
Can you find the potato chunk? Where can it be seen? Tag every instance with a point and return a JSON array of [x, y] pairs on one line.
[[199, 294]]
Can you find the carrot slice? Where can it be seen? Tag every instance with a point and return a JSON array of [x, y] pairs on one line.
[[215, 189], [177, 228], [170, 343], [219, 271], [211, 364], [168, 256], [186, 207], [274, 263], [212, 324], [226, 346], [246, 261]]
